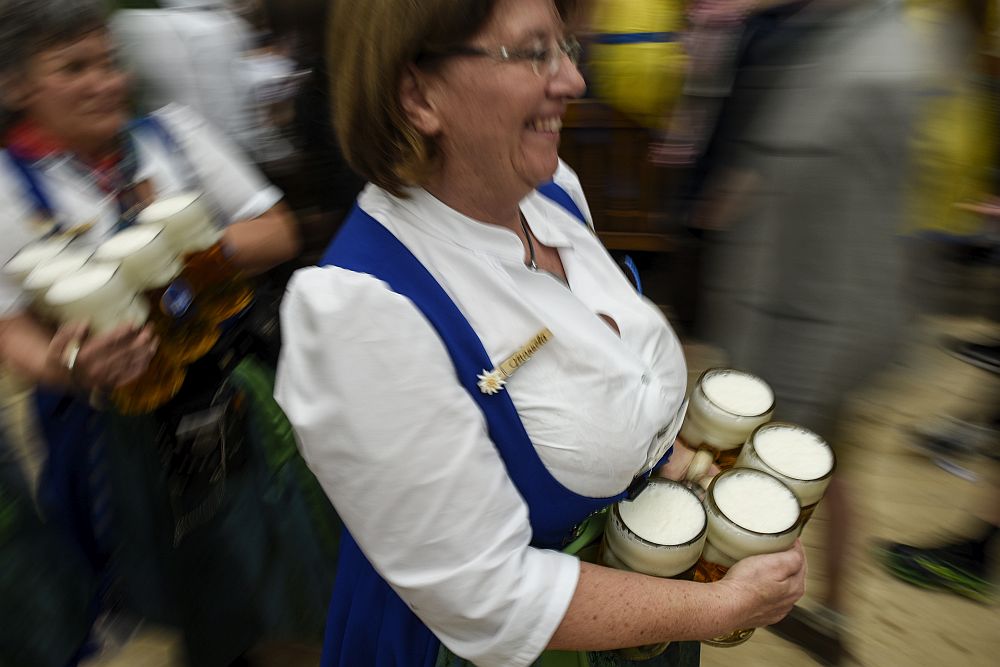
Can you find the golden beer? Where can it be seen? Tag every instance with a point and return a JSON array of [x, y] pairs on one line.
[[800, 458], [219, 289], [749, 512], [660, 533], [161, 382], [725, 406]]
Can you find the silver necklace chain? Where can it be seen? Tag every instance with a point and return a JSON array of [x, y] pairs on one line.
[[531, 246]]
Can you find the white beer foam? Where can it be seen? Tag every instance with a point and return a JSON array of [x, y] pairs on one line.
[[794, 452], [127, 242], [163, 209], [738, 393], [756, 501], [664, 514]]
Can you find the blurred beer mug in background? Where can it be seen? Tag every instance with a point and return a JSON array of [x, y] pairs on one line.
[[48, 273], [795, 455], [147, 257], [99, 295], [30, 256], [152, 263], [725, 406], [219, 289], [660, 533], [187, 220], [749, 513]]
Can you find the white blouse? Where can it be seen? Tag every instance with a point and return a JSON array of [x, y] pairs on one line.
[[204, 160], [401, 448]]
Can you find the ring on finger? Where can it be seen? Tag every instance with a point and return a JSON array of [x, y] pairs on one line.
[[70, 355]]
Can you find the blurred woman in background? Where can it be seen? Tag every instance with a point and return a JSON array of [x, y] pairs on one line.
[[208, 546]]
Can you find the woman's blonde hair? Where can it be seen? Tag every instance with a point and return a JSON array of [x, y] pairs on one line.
[[371, 43]]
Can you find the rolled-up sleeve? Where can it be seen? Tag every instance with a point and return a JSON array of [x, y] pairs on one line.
[[403, 452], [223, 169]]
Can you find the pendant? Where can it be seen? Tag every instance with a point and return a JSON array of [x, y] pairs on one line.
[[492, 381]]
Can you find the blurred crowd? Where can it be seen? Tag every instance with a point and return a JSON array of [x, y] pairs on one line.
[[835, 163]]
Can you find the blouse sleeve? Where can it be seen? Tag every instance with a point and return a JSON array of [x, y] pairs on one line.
[[229, 176], [403, 452]]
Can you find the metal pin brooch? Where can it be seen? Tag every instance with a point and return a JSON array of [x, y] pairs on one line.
[[493, 381]]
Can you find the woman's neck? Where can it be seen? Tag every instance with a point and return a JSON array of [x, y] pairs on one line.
[[94, 152], [36, 138], [479, 200]]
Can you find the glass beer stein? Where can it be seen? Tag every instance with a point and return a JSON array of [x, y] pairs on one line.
[[220, 291], [725, 406], [150, 261], [795, 455], [30, 256], [48, 273], [749, 512], [661, 533]]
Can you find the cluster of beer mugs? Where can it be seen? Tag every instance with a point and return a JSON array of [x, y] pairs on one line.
[[772, 476], [169, 269]]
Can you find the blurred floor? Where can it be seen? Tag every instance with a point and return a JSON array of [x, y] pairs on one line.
[[901, 496]]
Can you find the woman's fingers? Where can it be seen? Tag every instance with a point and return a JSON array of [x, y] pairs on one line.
[[117, 357]]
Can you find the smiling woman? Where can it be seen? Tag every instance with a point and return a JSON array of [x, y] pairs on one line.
[[460, 481], [74, 172]]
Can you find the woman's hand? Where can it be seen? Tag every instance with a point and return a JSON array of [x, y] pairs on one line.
[[104, 361], [768, 585], [676, 468]]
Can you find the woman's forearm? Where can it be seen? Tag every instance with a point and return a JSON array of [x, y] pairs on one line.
[[263, 242], [614, 609]]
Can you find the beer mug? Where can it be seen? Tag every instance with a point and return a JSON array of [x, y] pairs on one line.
[[795, 455], [30, 256], [97, 294], [660, 533], [187, 220], [725, 406], [48, 273], [147, 257], [219, 289], [749, 512], [151, 262]]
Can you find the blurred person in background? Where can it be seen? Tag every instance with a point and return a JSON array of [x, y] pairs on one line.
[[456, 501], [802, 200], [206, 56], [955, 225], [320, 185], [222, 540], [46, 584], [963, 563], [951, 233]]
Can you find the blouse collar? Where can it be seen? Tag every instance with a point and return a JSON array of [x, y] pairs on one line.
[[546, 219]]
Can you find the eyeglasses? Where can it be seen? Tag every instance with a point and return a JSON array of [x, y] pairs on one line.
[[544, 60]]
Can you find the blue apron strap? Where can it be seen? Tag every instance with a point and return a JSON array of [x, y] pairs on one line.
[[153, 126], [33, 189], [561, 197], [552, 191]]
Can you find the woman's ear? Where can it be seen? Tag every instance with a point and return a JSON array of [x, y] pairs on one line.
[[417, 104]]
